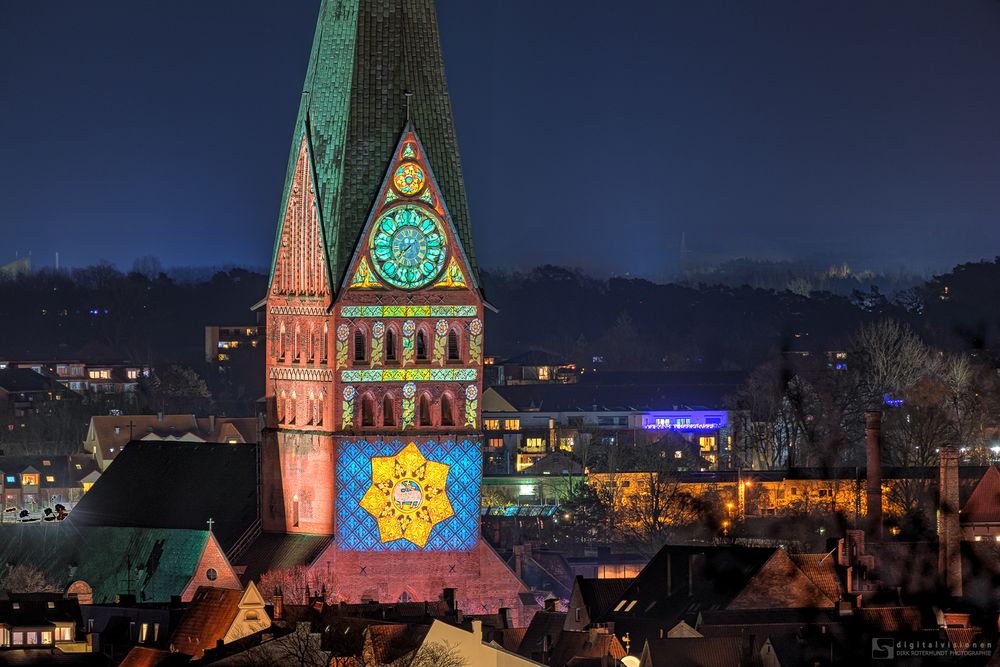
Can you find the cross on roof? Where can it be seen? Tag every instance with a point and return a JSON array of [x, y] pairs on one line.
[[210, 522]]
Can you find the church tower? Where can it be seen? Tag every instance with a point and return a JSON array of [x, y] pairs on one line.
[[375, 322]]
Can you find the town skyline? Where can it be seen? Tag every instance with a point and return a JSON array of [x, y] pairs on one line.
[[763, 156]]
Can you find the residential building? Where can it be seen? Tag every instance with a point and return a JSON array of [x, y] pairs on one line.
[[24, 392], [225, 345], [35, 482], [107, 435], [38, 621], [524, 423], [84, 377]]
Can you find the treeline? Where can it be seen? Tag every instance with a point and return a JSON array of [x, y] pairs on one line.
[[149, 316]]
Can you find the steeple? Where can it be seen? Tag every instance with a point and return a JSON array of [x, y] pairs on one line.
[[369, 57]]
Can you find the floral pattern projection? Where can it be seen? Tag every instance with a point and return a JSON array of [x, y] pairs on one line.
[[347, 409], [440, 341], [409, 405], [471, 405], [407, 496], [409, 352], [378, 343], [476, 341], [343, 333]]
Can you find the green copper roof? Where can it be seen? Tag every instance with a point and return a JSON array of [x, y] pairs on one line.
[[366, 55], [152, 563]]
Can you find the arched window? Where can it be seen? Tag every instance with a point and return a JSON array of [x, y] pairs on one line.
[[421, 345], [367, 411], [359, 345], [453, 345], [323, 343], [282, 341], [295, 343], [388, 411], [390, 344], [447, 411], [425, 411]]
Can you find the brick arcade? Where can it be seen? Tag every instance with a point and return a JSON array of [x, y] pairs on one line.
[[375, 323]]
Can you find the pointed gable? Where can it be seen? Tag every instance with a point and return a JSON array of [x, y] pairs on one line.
[[300, 266], [409, 184], [983, 506], [780, 584], [367, 55]]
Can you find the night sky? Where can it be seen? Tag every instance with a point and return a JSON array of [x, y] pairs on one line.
[[592, 134]]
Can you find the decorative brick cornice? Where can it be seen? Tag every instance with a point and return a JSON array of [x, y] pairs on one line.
[[298, 310], [304, 374]]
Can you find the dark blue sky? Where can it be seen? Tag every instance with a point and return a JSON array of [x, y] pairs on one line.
[[592, 134]]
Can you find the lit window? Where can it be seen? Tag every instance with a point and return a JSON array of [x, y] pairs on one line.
[[79, 467], [512, 424], [46, 462], [29, 479], [50, 479], [50, 604], [11, 479], [630, 605], [535, 443], [491, 424], [496, 443], [619, 606], [132, 373], [143, 632], [678, 454]]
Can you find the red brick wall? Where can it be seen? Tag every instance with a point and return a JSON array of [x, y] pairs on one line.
[[212, 557], [483, 581]]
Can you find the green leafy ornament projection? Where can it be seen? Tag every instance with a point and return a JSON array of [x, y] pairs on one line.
[[476, 341], [409, 352], [471, 405], [440, 341], [347, 409], [378, 343], [343, 332], [409, 405]]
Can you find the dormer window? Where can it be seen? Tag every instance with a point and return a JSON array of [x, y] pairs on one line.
[[29, 479]]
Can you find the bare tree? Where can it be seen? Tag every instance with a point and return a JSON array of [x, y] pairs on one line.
[[23, 578], [890, 358], [437, 654]]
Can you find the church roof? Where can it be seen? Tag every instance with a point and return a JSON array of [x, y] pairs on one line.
[[983, 506], [176, 485], [366, 56], [155, 564]]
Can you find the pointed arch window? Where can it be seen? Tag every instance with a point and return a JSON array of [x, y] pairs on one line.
[[390, 344], [388, 411], [447, 411], [425, 410], [367, 411], [322, 342], [453, 346], [421, 345], [359, 345]]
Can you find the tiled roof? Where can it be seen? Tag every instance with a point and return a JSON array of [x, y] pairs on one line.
[[696, 652], [161, 562], [24, 380], [891, 619], [585, 644], [983, 506], [822, 570], [392, 642], [112, 433], [279, 551], [208, 617], [34, 609], [141, 489], [140, 656], [601, 595], [366, 55], [780, 584], [543, 624]]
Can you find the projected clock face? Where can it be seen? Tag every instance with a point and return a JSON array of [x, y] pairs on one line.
[[408, 246]]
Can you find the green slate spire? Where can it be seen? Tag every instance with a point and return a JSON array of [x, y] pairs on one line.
[[366, 56]]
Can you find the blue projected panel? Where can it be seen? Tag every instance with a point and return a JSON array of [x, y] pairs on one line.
[[408, 495]]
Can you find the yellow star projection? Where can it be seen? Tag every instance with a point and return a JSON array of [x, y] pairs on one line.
[[408, 495]]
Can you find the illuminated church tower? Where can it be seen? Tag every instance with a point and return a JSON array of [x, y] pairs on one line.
[[375, 322]]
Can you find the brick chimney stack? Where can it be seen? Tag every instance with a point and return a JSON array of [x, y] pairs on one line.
[[949, 527], [873, 476]]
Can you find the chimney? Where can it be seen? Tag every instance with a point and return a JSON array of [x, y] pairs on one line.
[[279, 604], [506, 618], [449, 598], [211, 424], [159, 416], [477, 630], [873, 476], [949, 528], [518, 559], [550, 604]]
